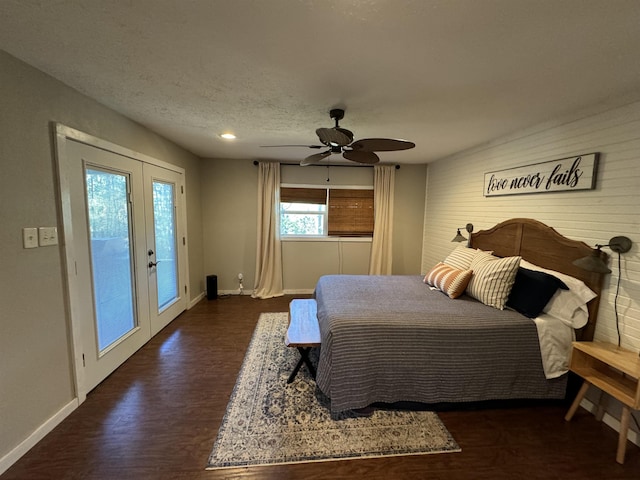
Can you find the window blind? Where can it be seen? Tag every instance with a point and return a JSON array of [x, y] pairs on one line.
[[350, 212], [316, 196]]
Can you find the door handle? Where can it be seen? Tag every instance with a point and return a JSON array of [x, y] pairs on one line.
[[153, 264]]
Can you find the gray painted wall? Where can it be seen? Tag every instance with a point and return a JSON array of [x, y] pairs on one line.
[[36, 376], [229, 206]]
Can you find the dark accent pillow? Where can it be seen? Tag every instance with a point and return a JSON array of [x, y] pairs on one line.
[[532, 291]]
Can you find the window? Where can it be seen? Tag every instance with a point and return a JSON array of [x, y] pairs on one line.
[[303, 211], [326, 212]]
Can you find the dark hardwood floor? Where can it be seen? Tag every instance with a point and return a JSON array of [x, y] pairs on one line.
[[157, 416]]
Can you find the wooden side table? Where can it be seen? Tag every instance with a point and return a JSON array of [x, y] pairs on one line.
[[614, 370]]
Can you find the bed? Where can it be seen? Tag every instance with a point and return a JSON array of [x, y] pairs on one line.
[[389, 339]]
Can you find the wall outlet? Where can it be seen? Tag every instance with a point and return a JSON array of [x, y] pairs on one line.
[[30, 237], [47, 236]]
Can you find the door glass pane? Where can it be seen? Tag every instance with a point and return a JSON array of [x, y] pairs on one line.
[[165, 236], [111, 254]]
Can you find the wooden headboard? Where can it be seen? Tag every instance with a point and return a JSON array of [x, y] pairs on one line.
[[542, 245]]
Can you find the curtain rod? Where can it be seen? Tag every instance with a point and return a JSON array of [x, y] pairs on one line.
[[255, 162]]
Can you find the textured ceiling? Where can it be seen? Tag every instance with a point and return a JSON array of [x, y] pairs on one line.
[[445, 74]]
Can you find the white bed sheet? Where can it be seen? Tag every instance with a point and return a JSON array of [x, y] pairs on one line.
[[555, 339]]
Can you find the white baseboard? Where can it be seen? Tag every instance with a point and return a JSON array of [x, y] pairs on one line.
[[14, 455], [236, 292], [304, 291], [193, 302], [247, 293], [611, 421]]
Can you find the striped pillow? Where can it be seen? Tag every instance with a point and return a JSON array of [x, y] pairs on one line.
[[461, 257], [449, 280], [492, 279]]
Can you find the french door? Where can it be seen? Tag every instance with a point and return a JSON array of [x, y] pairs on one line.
[[124, 234], [165, 244]]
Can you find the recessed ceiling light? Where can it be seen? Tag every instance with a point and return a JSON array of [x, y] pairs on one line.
[[228, 136]]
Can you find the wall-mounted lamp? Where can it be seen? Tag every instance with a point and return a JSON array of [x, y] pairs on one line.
[[461, 238], [594, 262]]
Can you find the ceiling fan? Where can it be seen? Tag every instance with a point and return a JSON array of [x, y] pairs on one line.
[[340, 140]]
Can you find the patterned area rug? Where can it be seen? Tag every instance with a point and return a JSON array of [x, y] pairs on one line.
[[271, 422]]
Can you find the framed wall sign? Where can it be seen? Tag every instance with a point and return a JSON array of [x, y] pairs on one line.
[[571, 173]]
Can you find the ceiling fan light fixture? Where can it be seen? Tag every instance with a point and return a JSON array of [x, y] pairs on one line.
[[228, 136], [340, 140], [334, 137]]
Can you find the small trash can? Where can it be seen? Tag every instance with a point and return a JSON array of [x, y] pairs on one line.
[[212, 287]]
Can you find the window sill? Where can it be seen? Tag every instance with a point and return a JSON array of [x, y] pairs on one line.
[[327, 239]]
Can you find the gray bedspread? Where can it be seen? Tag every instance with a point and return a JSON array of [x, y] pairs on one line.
[[391, 339]]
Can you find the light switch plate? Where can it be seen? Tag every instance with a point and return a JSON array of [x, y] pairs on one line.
[[30, 237], [47, 236]]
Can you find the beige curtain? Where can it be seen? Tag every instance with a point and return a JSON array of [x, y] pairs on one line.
[[381, 247], [268, 282]]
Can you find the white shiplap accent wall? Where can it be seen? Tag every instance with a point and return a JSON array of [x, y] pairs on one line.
[[455, 197]]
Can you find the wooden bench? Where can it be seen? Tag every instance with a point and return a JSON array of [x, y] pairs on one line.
[[303, 332]]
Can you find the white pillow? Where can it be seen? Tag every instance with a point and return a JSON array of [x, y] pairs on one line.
[[492, 278], [570, 306]]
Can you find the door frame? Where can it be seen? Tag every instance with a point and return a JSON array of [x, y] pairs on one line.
[[62, 134]]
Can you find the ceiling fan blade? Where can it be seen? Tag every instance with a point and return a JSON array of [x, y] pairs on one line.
[[347, 133], [381, 145], [361, 156], [334, 136], [315, 158], [305, 146]]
